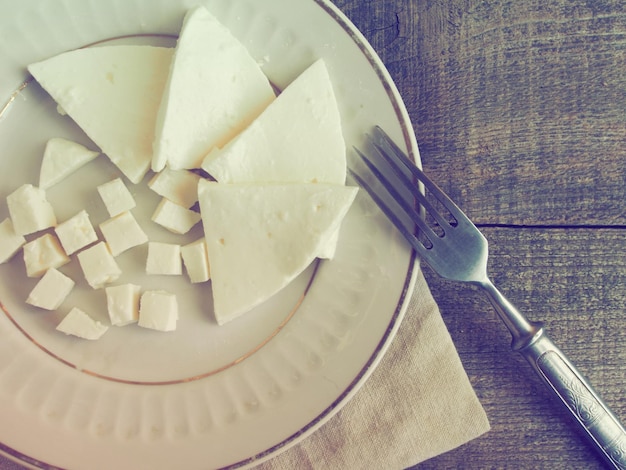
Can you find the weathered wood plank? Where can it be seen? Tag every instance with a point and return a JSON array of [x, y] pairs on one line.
[[513, 99], [520, 113], [575, 282]]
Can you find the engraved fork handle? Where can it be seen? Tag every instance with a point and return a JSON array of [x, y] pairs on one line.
[[563, 379]]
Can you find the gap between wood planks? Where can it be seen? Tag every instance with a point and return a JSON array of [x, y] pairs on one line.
[[554, 226]]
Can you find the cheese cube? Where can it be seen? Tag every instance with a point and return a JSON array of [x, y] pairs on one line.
[[175, 218], [51, 290], [10, 242], [196, 261], [76, 233], [42, 254], [60, 159], [179, 186], [98, 265], [29, 210], [164, 258], [158, 310], [116, 197], [123, 304], [78, 323], [122, 232]]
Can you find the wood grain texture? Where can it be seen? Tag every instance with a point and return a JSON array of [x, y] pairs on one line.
[[520, 112]]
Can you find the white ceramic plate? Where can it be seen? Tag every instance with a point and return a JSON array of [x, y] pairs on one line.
[[203, 396]]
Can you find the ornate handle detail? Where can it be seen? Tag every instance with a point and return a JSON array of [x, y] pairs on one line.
[[579, 397], [560, 375]]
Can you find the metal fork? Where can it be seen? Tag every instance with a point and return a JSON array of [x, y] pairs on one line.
[[456, 250]]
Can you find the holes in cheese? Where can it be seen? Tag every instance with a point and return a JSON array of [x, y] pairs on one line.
[[297, 139], [215, 89], [261, 236], [113, 93]]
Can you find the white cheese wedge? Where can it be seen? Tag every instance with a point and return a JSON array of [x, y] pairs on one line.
[[10, 242], [164, 258], [113, 93], [298, 138], [51, 290], [175, 218], [122, 232], [76, 233], [42, 254], [98, 265], [328, 251], [158, 310], [179, 186], [260, 237], [61, 158], [215, 88], [30, 210], [116, 197], [123, 304], [196, 260], [80, 324]]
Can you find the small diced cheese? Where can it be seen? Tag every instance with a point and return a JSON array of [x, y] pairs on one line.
[[123, 304], [78, 323], [60, 159], [42, 254], [29, 209], [158, 310], [179, 186], [122, 232], [175, 218], [10, 242], [164, 258], [51, 290], [116, 197], [98, 265], [196, 261], [76, 233]]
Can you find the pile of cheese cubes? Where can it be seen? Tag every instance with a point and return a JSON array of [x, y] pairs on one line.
[[30, 213]]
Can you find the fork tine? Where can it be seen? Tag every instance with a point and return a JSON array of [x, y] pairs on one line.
[[381, 139], [411, 186], [392, 216], [409, 208]]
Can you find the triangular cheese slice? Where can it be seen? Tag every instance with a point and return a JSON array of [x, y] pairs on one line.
[[298, 138], [260, 237], [113, 94], [61, 158], [215, 89]]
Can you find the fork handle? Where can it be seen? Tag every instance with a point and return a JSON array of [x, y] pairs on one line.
[[579, 397], [564, 380]]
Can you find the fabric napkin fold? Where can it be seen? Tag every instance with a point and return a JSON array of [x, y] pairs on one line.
[[417, 404]]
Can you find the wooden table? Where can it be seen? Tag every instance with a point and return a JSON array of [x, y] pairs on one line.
[[520, 112]]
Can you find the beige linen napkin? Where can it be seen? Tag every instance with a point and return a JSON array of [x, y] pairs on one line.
[[417, 404]]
